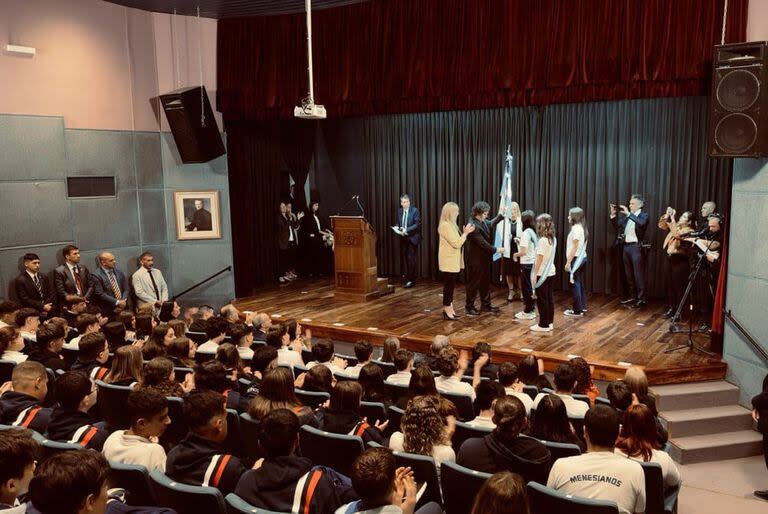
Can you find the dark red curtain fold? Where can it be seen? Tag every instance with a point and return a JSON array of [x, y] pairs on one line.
[[389, 56]]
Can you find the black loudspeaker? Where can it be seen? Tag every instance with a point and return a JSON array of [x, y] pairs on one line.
[[196, 142], [738, 122]]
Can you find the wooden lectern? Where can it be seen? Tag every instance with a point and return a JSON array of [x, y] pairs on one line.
[[355, 260]]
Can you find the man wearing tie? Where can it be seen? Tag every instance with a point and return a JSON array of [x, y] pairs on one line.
[[149, 284], [110, 287], [71, 278], [409, 225], [33, 289], [630, 224]]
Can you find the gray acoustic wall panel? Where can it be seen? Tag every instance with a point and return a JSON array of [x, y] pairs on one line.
[[37, 212], [149, 163], [106, 222], [192, 262], [152, 216], [102, 153], [32, 148], [127, 258], [179, 176]]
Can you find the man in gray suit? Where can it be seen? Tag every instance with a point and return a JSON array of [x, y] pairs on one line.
[[71, 278]]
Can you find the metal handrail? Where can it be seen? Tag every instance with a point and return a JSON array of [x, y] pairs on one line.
[[228, 268], [751, 340]]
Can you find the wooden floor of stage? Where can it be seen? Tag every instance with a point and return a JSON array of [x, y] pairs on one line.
[[609, 336]]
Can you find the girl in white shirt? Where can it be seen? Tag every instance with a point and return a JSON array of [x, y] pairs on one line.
[[526, 254], [11, 344], [544, 271], [576, 260]]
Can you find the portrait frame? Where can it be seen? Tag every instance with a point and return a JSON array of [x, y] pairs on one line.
[[186, 215]]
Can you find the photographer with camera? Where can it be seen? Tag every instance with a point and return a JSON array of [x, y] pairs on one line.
[[630, 224]]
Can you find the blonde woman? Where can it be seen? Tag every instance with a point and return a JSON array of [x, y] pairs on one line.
[[450, 254], [544, 271], [512, 268]]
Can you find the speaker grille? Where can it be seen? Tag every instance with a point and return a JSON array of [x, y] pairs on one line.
[[736, 133], [738, 90]]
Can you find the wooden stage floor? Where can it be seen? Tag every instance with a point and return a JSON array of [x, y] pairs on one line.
[[609, 336]]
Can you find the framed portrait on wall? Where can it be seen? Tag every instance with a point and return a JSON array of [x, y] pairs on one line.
[[197, 214]]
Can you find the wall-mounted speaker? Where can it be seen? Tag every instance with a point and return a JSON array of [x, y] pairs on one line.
[[196, 142], [738, 121]]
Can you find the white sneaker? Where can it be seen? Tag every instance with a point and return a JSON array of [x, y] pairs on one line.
[[537, 328], [569, 312], [525, 315]]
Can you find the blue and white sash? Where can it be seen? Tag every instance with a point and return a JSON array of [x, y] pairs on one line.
[[579, 260], [545, 268]]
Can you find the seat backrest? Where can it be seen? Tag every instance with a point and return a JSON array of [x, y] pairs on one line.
[[344, 378], [395, 416], [374, 411], [312, 399], [562, 450], [69, 356], [50, 396], [306, 355], [396, 391], [460, 486], [578, 427], [388, 368], [289, 368], [249, 434], [51, 448], [298, 369], [544, 499], [464, 432], [186, 499], [135, 480], [603, 401], [654, 488], [243, 384], [6, 370], [334, 450], [178, 427], [197, 337], [463, 404], [204, 357], [424, 471], [531, 391], [236, 505], [111, 400], [233, 442], [181, 374], [582, 398], [351, 359]]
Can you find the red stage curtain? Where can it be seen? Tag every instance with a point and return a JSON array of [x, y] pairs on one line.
[[389, 56], [718, 316]]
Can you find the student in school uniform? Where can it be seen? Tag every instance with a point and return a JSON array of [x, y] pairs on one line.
[[544, 271], [576, 260]]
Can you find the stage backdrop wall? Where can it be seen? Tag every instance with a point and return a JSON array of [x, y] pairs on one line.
[[565, 155]]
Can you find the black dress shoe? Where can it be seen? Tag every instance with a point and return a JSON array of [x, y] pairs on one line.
[[627, 301], [471, 311], [669, 313], [409, 284], [763, 495], [638, 304], [489, 308]]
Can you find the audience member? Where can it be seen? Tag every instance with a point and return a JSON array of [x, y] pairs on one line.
[[371, 379], [438, 343], [584, 384], [424, 431], [600, 473], [510, 379], [565, 380], [323, 353], [200, 459], [156, 345], [73, 306], [50, 340], [451, 367], [278, 483], [19, 453], [422, 383], [505, 449], [403, 364], [342, 416], [216, 330], [391, 345], [144, 325], [179, 327], [71, 278], [531, 372], [277, 337], [488, 391], [72, 483], [127, 367], [204, 313], [488, 370], [319, 379], [261, 324], [363, 354], [212, 376], [70, 421], [638, 440], [148, 283], [33, 289], [23, 406], [619, 395], [8, 310], [637, 382], [276, 392], [264, 360], [230, 313], [503, 493], [148, 414], [27, 322], [242, 338], [229, 356], [182, 351], [190, 314], [110, 286], [160, 377], [760, 415], [115, 334], [551, 423], [92, 356], [11, 345], [85, 324]]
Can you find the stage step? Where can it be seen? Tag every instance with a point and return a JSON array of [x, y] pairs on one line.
[[715, 393], [706, 422]]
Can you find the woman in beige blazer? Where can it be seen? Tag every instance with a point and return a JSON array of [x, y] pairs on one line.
[[449, 253]]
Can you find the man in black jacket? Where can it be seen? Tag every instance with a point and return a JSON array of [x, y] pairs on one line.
[[631, 224], [477, 257], [22, 407], [409, 224], [71, 277], [283, 477], [70, 421], [33, 289]]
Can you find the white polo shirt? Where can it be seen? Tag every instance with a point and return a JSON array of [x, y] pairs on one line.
[[288, 357], [576, 409], [454, 385], [134, 449], [399, 378], [523, 397]]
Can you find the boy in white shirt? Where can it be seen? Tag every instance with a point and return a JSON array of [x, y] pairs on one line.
[[278, 338], [513, 386], [148, 411], [600, 474], [487, 393], [451, 367], [85, 324], [565, 381], [403, 364], [324, 353], [216, 331], [363, 354]]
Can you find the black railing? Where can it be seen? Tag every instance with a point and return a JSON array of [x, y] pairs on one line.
[[744, 332], [228, 268]]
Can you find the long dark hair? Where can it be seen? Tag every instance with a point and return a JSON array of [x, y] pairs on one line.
[[371, 379], [503, 493], [551, 421], [528, 370], [528, 218], [422, 381], [583, 375], [638, 437]]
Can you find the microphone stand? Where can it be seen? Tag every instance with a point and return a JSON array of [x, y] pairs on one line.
[[689, 344], [354, 197]]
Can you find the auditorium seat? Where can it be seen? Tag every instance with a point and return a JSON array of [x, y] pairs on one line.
[[351, 359], [424, 471], [344, 378], [50, 396], [312, 399], [387, 368], [249, 434], [51, 448], [396, 391], [111, 400], [204, 357], [178, 427], [334, 450], [186, 499], [602, 401], [464, 431], [531, 391], [395, 416], [233, 442], [243, 384], [375, 412], [562, 450], [236, 505], [657, 500], [69, 356], [289, 368], [135, 480], [463, 405], [306, 355], [544, 499], [460, 486], [181, 374], [197, 337], [582, 397], [6, 370]]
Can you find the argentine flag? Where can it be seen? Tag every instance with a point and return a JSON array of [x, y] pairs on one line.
[[503, 232]]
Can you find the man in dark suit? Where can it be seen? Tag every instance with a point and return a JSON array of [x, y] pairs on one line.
[[110, 287], [201, 218], [631, 224], [409, 224], [478, 254], [33, 289], [71, 278]]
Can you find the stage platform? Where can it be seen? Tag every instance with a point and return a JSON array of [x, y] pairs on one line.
[[609, 336]]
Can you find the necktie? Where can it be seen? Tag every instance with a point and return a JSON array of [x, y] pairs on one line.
[[38, 285], [154, 284], [405, 218], [115, 287], [78, 284]]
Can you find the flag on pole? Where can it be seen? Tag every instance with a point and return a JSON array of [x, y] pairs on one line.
[[503, 232]]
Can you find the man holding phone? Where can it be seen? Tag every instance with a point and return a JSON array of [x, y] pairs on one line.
[[630, 224]]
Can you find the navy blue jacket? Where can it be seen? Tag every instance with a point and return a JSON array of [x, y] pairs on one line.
[[103, 296], [413, 224], [641, 224]]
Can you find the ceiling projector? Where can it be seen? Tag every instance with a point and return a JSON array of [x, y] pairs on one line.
[[310, 111]]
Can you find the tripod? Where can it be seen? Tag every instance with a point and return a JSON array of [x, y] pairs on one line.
[[690, 344]]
